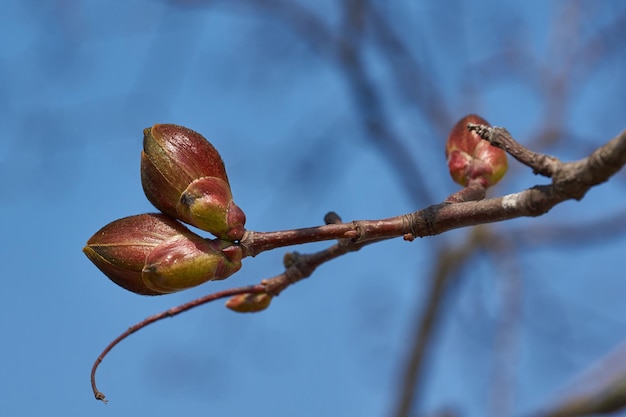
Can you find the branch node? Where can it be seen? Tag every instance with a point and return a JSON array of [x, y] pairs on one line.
[[269, 288], [408, 227], [294, 274]]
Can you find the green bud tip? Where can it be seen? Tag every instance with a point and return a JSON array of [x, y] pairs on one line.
[[152, 254], [183, 176]]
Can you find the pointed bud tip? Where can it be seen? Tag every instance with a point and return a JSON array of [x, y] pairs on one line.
[[128, 279], [208, 204]]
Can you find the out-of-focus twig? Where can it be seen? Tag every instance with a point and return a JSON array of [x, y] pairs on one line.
[[345, 48], [610, 399], [409, 75], [577, 233], [368, 102], [508, 277], [598, 391], [449, 262]]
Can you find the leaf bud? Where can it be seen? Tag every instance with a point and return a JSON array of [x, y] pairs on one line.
[[153, 254], [470, 158], [249, 302], [183, 176], [187, 261]]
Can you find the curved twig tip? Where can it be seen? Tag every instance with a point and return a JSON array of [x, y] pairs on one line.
[[100, 397], [164, 314]]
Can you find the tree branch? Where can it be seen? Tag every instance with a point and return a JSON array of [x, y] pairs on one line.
[[570, 181], [449, 262]]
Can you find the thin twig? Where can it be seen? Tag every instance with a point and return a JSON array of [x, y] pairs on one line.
[[507, 326], [449, 262], [498, 136], [474, 191], [570, 180], [250, 289], [297, 266]]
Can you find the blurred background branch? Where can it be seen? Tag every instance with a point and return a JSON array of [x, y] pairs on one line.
[[316, 106]]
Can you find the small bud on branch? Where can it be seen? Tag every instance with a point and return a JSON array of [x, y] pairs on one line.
[[249, 303], [471, 159]]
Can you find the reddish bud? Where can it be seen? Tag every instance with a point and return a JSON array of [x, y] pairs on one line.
[[153, 254], [183, 176], [249, 303], [470, 158]]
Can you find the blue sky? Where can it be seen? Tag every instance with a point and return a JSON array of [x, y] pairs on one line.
[[80, 80]]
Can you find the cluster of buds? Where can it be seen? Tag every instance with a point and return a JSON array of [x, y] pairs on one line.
[[472, 159], [150, 254], [184, 177]]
